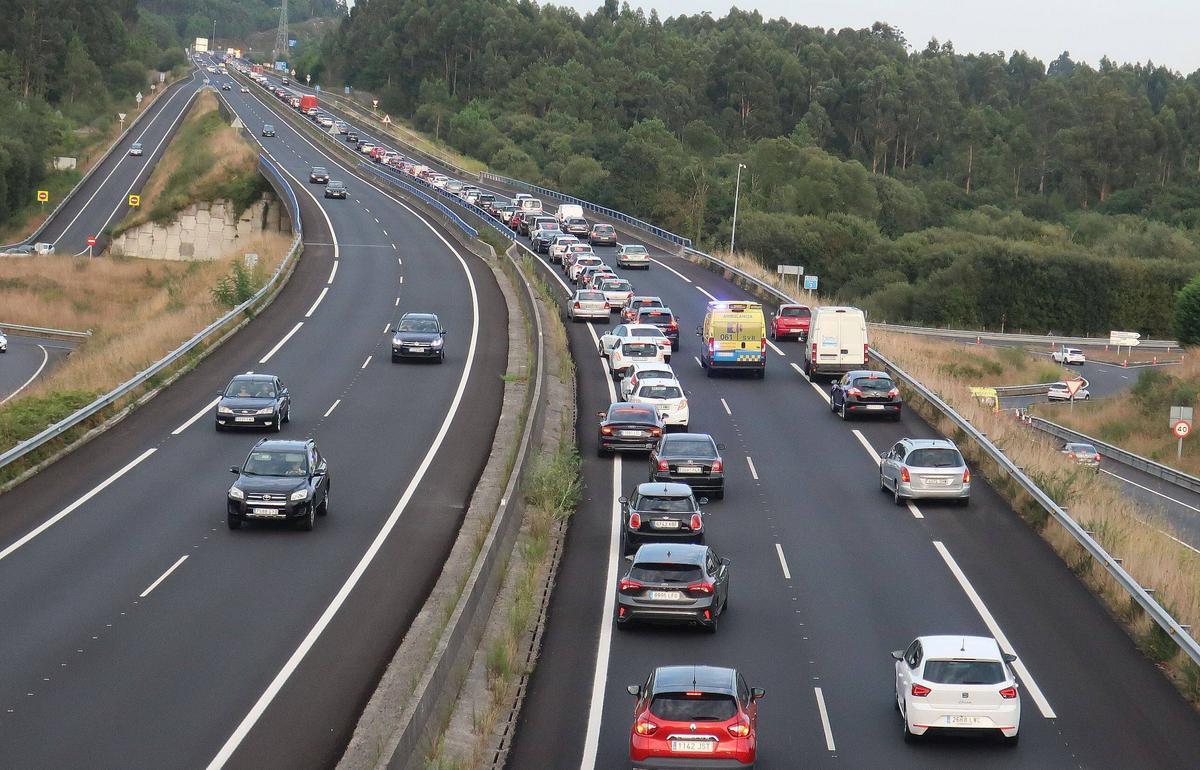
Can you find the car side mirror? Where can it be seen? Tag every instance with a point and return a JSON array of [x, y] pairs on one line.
[[635, 690], [757, 693], [601, 415], [725, 561], [234, 469], [623, 500], [699, 332], [720, 447], [443, 332], [1009, 657], [702, 501], [898, 654], [323, 468]]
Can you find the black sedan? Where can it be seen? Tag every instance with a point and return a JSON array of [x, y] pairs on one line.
[[661, 513], [865, 392], [628, 428], [419, 335], [280, 481], [690, 458], [336, 189], [254, 401], [268, 130], [674, 583], [319, 175]]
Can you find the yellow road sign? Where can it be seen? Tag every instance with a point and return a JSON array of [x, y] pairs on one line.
[[43, 196], [135, 200]]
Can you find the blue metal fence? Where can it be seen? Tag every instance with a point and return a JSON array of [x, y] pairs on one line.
[[423, 194]]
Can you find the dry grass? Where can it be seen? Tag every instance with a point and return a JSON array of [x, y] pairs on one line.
[[971, 365], [1125, 528]]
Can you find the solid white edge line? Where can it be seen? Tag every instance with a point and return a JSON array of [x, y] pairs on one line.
[[866, 445], [310, 639], [673, 270], [321, 296], [775, 347], [1134, 483], [335, 405], [1035, 692], [787, 573], [280, 344], [73, 506], [820, 391], [705, 293], [191, 420], [163, 576], [333, 272], [825, 720], [726, 405], [753, 470], [364, 366], [45, 358]]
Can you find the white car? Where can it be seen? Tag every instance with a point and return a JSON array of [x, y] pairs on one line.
[[4, 340], [645, 372], [617, 291], [633, 255], [585, 261], [439, 181], [667, 397], [560, 246], [245, 90], [1058, 392], [957, 683], [589, 304], [634, 331], [42, 248], [630, 351], [1069, 356], [591, 277], [135, 149]]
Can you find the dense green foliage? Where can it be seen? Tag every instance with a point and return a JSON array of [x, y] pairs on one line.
[[927, 185], [1187, 313], [190, 19]]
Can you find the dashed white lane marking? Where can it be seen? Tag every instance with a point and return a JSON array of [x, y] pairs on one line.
[[335, 405], [397, 302], [205, 410], [320, 297], [825, 720], [727, 410], [673, 270], [774, 347], [787, 573], [280, 344], [333, 272], [387, 328], [1035, 692], [820, 391], [697, 360], [393, 247], [364, 366], [753, 470], [914, 510], [705, 293], [799, 371], [399, 261], [385, 234], [50, 522], [866, 445], [401, 279], [163, 577]]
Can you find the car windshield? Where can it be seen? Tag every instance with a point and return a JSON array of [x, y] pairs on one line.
[[250, 389], [581, 248], [318, 170], [624, 413], [336, 185], [795, 312], [934, 458], [422, 325], [639, 349], [659, 391], [964, 671], [288, 463], [658, 504], [588, 261], [689, 447], [635, 249], [648, 303], [653, 572], [591, 295], [881, 384], [684, 707]]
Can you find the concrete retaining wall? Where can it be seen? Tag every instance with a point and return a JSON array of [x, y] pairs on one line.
[[203, 231]]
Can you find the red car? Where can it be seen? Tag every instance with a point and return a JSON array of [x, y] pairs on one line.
[[790, 321], [694, 716]]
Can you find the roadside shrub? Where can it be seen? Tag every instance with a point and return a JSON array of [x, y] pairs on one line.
[[237, 287]]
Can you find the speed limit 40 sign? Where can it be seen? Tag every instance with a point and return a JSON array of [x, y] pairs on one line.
[[1181, 428]]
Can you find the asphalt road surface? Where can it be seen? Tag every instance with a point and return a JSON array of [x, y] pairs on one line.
[[28, 358]]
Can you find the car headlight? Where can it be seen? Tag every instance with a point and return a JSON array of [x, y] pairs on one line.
[[300, 494], [268, 410], [438, 342], [236, 493], [224, 410]]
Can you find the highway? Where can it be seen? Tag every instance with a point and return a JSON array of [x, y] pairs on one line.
[[28, 358], [828, 577], [150, 635]]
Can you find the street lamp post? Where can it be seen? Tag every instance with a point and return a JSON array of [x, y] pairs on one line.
[[736, 191], [214, 36]]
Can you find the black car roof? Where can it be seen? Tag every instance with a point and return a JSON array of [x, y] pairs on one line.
[[252, 378], [713, 679], [661, 489], [281, 444], [672, 553], [688, 437], [624, 407], [421, 316]]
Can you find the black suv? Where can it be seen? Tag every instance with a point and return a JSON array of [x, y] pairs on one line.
[[672, 582], [254, 401], [690, 458], [419, 335], [268, 130], [319, 175], [335, 189], [865, 392], [280, 481], [658, 513], [352, 136], [664, 319]]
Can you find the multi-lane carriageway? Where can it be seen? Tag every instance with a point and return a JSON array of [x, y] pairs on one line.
[[828, 577], [138, 631]]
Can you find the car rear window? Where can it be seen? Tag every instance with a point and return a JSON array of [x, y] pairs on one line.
[[934, 458], [591, 295], [621, 285], [602, 229], [635, 249], [689, 447], [1087, 449], [657, 317], [881, 384], [655, 374], [646, 333], [633, 414], [704, 707], [577, 221], [639, 349], [964, 671], [660, 504], [796, 312], [652, 572], [659, 391]]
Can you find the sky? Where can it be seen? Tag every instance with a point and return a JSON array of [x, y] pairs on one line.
[[1163, 31]]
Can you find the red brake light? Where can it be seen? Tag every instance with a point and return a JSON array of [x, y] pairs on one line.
[[966, 475], [635, 521], [904, 475], [712, 344], [717, 466], [814, 351], [673, 325], [1096, 457], [1008, 693], [853, 392], [866, 347], [695, 523], [694, 694], [645, 727], [894, 392], [629, 585], [703, 588], [576, 305], [662, 465], [740, 730], [763, 346], [920, 690]]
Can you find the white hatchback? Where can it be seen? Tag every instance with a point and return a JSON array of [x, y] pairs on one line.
[[616, 290], [634, 331], [667, 397], [957, 683], [579, 264], [630, 351], [645, 372]]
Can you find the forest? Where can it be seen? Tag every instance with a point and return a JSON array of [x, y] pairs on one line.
[[925, 184]]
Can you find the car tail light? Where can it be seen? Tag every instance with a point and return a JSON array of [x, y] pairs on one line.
[[645, 727], [966, 475], [606, 430], [663, 466], [814, 351], [1096, 457], [576, 305], [630, 585], [673, 326], [712, 345], [853, 392], [718, 466], [762, 347], [635, 521], [920, 690], [894, 393], [904, 475], [740, 730], [695, 523], [701, 588], [866, 347], [1008, 693]]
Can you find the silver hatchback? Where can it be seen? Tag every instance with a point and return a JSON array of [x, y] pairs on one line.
[[916, 468]]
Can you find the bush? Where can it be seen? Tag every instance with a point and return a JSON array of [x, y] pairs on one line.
[[1186, 321], [234, 289]]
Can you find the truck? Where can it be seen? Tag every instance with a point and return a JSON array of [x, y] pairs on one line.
[[1069, 356], [837, 341], [307, 102]]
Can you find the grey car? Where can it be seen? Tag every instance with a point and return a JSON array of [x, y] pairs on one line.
[[661, 513], [674, 583], [1083, 455], [419, 335], [916, 468], [336, 189]]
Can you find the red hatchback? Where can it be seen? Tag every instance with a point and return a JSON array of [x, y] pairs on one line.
[[694, 716], [790, 321]]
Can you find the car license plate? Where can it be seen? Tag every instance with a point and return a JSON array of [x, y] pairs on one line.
[[958, 719], [272, 512], [243, 419], [664, 596], [416, 350], [705, 747], [875, 407], [938, 482], [690, 469], [665, 524], [631, 433]]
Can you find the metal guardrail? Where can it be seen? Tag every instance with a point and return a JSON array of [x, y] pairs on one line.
[[1153, 609], [422, 194], [1009, 337], [43, 332], [57, 429], [1036, 389], [1144, 464], [619, 216]]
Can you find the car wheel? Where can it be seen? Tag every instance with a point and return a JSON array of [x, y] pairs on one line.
[[324, 509], [909, 736], [964, 501], [235, 522], [602, 452], [307, 523], [600, 349], [832, 405], [287, 414], [442, 357], [622, 625], [278, 426], [882, 485], [711, 627], [1012, 741], [626, 550], [719, 494], [896, 498], [843, 410], [220, 428], [708, 370]]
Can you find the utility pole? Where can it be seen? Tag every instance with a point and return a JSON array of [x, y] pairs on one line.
[[736, 191], [281, 35], [213, 45]]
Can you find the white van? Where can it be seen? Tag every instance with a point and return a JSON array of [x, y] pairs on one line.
[[837, 341], [568, 211], [531, 205]]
